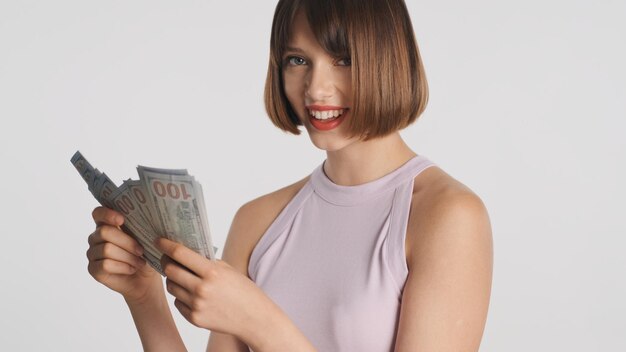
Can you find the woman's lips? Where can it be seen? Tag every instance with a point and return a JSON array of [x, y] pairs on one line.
[[327, 125]]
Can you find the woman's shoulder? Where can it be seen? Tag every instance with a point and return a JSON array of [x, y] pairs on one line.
[[252, 220], [259, 213], [435, 184], [441, 204], [278, 198]]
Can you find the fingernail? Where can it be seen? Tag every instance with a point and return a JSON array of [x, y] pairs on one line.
[[138, 250]]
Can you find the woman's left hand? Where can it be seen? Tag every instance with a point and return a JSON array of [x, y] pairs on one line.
[[212, 294]]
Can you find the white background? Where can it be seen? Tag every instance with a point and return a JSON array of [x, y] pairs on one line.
[[527, 109]]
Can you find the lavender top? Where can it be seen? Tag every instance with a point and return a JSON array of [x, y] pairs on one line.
[[334, 259]]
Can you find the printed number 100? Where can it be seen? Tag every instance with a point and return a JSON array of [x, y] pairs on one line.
[[172, 190]]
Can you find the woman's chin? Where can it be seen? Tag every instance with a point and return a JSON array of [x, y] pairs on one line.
[[323, 145], [329, 143]]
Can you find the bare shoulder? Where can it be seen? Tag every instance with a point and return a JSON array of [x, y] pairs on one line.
[[442, 208], [252, 220], [450, 260]]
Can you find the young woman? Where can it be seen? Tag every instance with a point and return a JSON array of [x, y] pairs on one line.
[[378, 249]]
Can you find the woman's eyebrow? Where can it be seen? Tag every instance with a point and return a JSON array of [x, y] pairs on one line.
[[297, 50]]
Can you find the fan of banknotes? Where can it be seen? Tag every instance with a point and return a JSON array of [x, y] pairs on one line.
[[163, 203]]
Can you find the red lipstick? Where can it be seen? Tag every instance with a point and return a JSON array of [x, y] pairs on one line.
[[323, 107], [328, 124]]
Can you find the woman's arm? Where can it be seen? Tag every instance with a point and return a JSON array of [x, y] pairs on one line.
[[274, 332], [237, 249], [211, 294], [264, 326], [114, 261], [446, 297], [155, 324]]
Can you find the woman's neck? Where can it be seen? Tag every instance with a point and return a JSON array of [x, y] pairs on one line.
[[362, 162]]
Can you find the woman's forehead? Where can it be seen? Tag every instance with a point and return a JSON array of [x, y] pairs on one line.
[[301, 35]]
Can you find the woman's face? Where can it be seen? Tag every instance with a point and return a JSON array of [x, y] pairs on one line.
[[317, 83]]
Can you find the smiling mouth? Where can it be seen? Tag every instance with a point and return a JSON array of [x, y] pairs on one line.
[[325, 115], [326, 121]]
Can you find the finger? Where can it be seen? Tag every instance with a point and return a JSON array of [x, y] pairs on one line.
[[109, 250], [110, 266], [103, 215], [179, 274], [183, 309], [116, 236], [183, 255], [179, 292]]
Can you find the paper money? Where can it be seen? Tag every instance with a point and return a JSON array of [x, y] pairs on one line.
[[177, 199], [140, 197], [87, 172], [163, 203], [133, 219]]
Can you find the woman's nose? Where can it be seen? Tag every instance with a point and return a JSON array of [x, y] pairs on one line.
[[319, 84]]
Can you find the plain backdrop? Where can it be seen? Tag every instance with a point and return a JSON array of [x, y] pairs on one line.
[[527, 109]]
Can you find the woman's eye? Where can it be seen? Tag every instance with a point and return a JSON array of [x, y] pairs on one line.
[[294, 60], [347, 60]]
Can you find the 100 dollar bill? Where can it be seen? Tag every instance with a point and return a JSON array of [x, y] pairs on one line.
[[178, 205], [164, 203]]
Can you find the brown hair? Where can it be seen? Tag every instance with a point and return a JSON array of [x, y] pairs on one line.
[[388, 80]]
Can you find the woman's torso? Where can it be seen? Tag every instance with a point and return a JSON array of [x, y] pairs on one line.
[[334, 259]]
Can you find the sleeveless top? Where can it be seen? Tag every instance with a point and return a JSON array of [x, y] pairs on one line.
[[334, 259]]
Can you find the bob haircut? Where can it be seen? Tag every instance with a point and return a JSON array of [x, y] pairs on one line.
[[389, 84]]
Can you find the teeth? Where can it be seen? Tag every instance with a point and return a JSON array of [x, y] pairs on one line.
[[325, 115]]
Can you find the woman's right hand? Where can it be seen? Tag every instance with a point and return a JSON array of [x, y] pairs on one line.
[[115, 259]]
